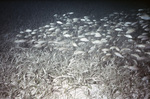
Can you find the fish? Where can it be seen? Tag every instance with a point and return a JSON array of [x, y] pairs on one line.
[[147, 29], [55, 15], [130, 30], [104, 58], [140, 10], [41, 42], [139, 58], [84, 39], [114, 47], [141, 36], [35, 30], [47, 26], [144, 34], [92, 33], [18, 35], [104, 40], [28, 30], [105, 25], [133, 68], [86, 17], [83, 20], [105, 50], [128, 36], [20, 41], [74, 44], [92, 49], [127, 23], [38, 45], [21, 32], [146, 78], [62, 49], [144, 39], [145, 17], [135, 55], [118, 54], [67, 35], [108, 36], [108, 54], [52, 24], [130, 40], [78, 52], [118, 29], [125, 50], [148, 53], [97, 42], [59, 22], [140, 45], [134, 23], [87, 34], [142, 58], [75, 20], [51, 29], [145, 26], [70, 13], [32, 41], [138, 50], [97, 35], [27, 36], [33, 33]]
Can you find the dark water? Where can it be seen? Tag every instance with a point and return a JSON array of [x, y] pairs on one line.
[[19, 15]]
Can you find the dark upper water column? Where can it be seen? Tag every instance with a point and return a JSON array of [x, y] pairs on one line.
[[20, 15]]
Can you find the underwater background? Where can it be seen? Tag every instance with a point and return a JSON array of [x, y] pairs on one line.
[[75, 49]]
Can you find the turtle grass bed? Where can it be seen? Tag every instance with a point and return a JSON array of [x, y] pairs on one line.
[[43, 74]]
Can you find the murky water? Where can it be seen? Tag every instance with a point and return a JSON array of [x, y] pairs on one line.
[[22, 15]]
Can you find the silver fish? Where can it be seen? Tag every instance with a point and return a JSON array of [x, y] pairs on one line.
[[118, 54], [128, 36], [28, 30], [20, 41], [118, 29], [133, 68]]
